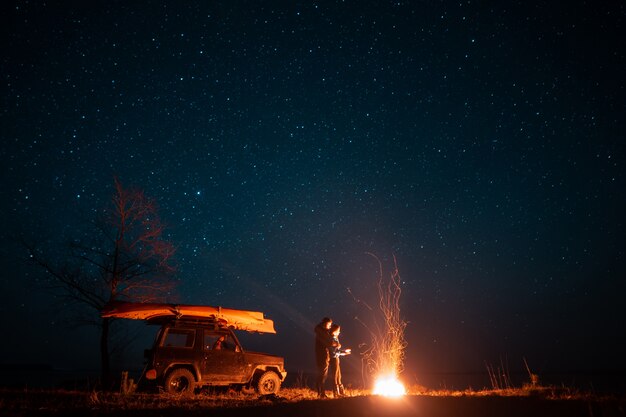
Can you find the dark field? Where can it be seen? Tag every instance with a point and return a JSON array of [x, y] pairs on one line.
[[300, 403], [60, 394]]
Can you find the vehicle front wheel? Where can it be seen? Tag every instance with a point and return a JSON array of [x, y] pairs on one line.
[[180, 381], [269, 383]]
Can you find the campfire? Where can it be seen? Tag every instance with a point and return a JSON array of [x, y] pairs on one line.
[[389, 386], [385, 355]]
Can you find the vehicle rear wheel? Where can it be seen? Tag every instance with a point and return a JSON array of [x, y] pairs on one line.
[[269, 383], [180, 381]]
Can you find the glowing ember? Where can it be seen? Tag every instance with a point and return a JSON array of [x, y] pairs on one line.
[[389, 386]]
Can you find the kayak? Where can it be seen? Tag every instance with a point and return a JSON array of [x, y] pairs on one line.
[[251, 321]]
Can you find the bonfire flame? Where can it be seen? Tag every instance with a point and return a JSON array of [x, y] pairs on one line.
[[386, 355], [389, 386]]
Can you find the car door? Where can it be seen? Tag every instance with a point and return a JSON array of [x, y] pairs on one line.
[[223, 361]]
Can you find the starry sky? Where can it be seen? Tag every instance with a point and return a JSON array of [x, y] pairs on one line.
[[480, 142]]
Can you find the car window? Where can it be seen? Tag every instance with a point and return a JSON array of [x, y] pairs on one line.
[[214, 341], [179, 338]]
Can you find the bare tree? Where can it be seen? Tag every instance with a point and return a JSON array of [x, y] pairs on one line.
[[126, 259]]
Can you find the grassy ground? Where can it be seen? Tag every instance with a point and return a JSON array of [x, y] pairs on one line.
[[57, 402]]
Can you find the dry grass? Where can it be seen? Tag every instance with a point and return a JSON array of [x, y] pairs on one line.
[[546, 392], [61, 400], [56, 400]]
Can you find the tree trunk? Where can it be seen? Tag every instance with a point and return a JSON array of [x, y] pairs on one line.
[[104, 355]]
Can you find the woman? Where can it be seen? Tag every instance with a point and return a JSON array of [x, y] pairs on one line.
[[335, 353]]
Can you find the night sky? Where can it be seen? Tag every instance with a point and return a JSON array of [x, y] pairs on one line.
[[480, 142]]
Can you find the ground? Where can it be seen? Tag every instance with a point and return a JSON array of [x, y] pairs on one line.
[[301, 404]]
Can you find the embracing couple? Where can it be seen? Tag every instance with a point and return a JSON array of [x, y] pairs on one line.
[[327, 353]]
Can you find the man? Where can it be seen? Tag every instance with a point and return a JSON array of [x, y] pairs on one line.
[[323, 341], [219, 343]]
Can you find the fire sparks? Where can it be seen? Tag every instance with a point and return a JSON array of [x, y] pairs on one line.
[[385, 356], [389, 386]]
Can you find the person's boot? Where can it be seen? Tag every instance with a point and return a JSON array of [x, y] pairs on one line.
[[342, 392], [336, 393]]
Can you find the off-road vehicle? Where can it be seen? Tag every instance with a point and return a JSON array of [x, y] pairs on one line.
[[196, 347]]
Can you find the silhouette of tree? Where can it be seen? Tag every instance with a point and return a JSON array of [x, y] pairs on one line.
[[126, 259]]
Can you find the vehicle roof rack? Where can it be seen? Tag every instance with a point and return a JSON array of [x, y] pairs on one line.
[[186, 320]]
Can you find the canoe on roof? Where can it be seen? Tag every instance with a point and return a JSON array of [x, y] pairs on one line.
[[251, 321]]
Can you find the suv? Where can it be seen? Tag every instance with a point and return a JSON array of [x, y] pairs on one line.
[[189, 354]]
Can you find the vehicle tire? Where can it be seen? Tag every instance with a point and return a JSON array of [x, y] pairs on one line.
[[180, 381], [268, 383]]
